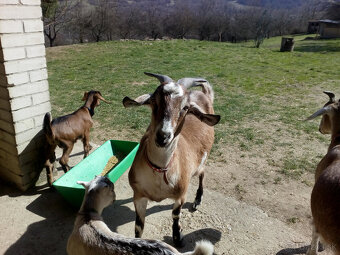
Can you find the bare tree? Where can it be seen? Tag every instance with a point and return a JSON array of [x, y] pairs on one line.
[[102, 19], [127, 21], [81, 21], [153, 21], [333, 10], [55, 18], [204, 19], [180, 21]]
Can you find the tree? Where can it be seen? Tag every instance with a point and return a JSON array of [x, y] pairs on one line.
[[81, 21], [180, 20], [333, 10], [261, 29], [54, 18]]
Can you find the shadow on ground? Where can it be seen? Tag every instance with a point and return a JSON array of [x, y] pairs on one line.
[[50, 235]]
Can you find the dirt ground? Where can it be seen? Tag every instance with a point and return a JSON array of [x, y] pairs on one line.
[[243, 212]]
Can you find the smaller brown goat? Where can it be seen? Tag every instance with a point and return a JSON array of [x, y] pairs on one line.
[[325, 199], [64, 131]]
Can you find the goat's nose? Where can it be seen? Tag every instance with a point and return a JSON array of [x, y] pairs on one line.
[[162, 138]]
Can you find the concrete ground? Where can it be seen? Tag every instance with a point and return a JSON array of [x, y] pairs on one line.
[[39, 221]]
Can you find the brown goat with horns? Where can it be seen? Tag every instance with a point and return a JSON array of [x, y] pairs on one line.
[[175, 146], [325, 199], [64, 131]]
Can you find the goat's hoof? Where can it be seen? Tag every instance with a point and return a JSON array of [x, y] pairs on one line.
[[178, 240], [195, 206]]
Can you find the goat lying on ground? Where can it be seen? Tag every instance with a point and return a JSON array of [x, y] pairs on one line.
[[64, 131], [175, 146], [325, 199], [92, 236]]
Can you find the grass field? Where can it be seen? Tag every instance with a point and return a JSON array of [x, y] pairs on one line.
[[262, 94]]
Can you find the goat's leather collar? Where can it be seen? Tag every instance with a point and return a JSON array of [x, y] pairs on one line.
[[157, 168], [91, 111]]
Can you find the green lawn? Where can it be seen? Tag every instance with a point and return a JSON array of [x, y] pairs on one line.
[[256, 89]]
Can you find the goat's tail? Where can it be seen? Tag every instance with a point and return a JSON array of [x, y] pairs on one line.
[[202, 248], [47, 125]]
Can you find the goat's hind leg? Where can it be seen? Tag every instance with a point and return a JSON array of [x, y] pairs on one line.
[[67, 149], [199, 193], [140, 208], [50, 159], [86, 143], [177, 236]]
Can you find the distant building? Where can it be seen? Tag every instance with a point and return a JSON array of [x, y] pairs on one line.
[[325, 28]]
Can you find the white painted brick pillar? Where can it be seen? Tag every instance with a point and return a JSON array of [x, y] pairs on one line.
[[24, 95]]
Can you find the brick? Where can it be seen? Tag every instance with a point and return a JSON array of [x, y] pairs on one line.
[[35, 51], [3, 78], [7, 126], [23, 125], [20, 102], [31, 2], [4, 105], [41, 97], [29, 112], [28, 89], [10, 160], [10, 26], [33, 26], [38, 75], [13, 54], [20, 12], [18, 78], [28, 157], [38, 120], [26, 135], [10, 148], [25, 65], [5, 115], [9, 1], [9, 174], [17, 40], [7, 137], [4, 94]]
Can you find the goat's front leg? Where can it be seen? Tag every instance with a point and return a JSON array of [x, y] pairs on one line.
[[140, 208], [199, 193], [177, 236], [67, 149], [86, 143], [314, 246]]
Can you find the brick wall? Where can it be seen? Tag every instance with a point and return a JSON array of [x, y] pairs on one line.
[[24, 95]]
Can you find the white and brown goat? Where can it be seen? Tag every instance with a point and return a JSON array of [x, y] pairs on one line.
[[91, 236], [175, 146], [325, 199], [64, 131]]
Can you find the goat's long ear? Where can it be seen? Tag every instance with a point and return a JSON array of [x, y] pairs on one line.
[[86, 94], [209, 119], [84, 184], [141, 100]]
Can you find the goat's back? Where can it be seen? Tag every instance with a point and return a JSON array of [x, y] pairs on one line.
[[325, 200], [72, 126]]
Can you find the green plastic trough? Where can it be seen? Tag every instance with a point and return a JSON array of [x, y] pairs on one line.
[[93, 165]]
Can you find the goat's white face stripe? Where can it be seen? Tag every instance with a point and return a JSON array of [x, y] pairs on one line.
[[174, 89]]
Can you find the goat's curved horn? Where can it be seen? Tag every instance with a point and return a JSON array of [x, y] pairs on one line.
[[103, 99], [162, 78], [331, 96], [320, 112], [190, 82]]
